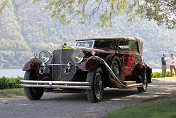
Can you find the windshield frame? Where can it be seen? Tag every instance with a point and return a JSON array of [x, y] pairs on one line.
[[93, 42]]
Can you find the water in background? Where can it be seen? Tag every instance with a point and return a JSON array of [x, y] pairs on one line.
[[159, 70], [11, 73]]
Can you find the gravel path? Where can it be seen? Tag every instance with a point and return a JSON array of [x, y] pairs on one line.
[[75, 105]]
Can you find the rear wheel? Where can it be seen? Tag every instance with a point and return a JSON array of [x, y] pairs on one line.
[[32, 93], [96, 78]]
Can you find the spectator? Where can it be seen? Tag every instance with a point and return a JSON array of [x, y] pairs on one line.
[[172, 64], [163, 60]]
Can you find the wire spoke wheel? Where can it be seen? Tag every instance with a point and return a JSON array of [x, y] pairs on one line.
[[115, 68], [95, 77], [98, 84], [145, 84]]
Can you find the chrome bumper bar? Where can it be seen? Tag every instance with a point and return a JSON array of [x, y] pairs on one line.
[[55, 84]]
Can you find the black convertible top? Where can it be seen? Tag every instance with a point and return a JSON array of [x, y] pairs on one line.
[[140, 42]]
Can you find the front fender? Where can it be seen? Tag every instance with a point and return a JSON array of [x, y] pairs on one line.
[[149, 74], [139, 69], [33, 64], [93, 62], [139, 72], [90, 63]]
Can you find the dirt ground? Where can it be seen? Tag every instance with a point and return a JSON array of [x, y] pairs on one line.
[[76, 105]]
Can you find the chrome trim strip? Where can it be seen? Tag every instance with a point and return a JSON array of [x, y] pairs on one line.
[[112, 73], [117, 79]]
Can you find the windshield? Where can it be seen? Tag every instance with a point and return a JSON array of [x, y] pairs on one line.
[[87, 44], [105, 44]]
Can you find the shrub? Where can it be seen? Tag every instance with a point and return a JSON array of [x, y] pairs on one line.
[[156, 74], [159, 74], [7, 83]]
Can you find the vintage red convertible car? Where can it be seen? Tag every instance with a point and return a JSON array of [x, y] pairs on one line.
[[90, 66]]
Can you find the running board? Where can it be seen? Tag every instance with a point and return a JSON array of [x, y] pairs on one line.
[[135, 85], [132, 84], [129, 82]]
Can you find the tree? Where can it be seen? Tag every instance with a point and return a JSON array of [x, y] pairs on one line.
[[161, 11]]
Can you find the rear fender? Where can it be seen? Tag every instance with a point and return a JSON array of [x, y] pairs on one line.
[[33, 64]]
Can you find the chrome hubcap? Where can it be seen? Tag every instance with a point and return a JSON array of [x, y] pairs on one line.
[[98, 85]]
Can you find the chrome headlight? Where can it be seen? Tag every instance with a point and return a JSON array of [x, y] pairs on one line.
[[77, 56], [44, 56]]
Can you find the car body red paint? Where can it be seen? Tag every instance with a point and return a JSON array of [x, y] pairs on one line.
[[119, 59]]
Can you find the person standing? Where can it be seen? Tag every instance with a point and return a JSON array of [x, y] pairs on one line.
[[172, 64], [163, 60]]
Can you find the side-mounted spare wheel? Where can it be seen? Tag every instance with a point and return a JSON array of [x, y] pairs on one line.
[[96, 78], [32, 93], [114, 63]]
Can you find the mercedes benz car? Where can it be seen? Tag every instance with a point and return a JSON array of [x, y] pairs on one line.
[[90, 66]]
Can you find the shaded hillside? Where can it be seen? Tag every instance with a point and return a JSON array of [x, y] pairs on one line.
[[30, 29]]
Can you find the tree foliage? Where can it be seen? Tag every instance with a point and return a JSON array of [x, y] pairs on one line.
[[162, 11]]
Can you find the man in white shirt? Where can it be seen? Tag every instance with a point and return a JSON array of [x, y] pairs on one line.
[[172, 64]]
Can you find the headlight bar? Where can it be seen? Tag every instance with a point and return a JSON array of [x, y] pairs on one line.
[[69, 64]]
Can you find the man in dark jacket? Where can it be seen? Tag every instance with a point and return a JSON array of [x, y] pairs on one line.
[[163, 60]]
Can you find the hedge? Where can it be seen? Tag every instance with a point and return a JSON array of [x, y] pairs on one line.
[[8, 83], [159, 74]]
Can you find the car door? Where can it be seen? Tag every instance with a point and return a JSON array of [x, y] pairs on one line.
[[124, 56], [134, 54]]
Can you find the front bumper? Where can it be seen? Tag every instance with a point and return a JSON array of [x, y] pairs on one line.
[[55, 84]]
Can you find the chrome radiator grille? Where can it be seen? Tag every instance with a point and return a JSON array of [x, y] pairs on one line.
[[62, 56]]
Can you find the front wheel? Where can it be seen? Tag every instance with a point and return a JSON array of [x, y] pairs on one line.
[[96, 78], [32, 93], [145, 84]]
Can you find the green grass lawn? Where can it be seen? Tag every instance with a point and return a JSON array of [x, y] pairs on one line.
[[158, 107], [12, 92], [150, 110]]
